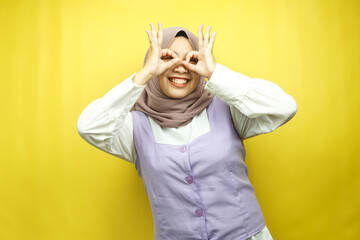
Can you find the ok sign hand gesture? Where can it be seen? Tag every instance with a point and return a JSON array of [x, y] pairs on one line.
[[205, 65], [154, 63]]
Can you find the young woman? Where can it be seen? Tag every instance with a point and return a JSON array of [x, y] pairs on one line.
[[184, 134]]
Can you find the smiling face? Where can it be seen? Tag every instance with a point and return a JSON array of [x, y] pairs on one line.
[[178, 81]]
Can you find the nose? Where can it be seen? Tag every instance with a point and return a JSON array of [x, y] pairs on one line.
[[180, 68]]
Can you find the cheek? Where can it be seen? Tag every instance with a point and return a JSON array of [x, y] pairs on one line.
[[196, 79], [163, 77], [162, 81], [193, 85]]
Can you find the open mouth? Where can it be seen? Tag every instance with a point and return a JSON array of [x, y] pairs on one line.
[[179, 82]]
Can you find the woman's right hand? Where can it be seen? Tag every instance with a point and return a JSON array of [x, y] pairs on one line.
[[158, 60]]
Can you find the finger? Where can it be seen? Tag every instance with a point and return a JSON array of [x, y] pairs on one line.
[[160, 34], [153, 33], [192, 54], [171, 63], [168, 52], [200, 36], [173, 54], [189, 66], [207, 34], [212, 40], [150, 39]]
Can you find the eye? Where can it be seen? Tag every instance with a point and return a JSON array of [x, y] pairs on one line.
[[194, 60], [167, 58]]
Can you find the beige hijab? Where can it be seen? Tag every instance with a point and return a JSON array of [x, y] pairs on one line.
[[172, 112]]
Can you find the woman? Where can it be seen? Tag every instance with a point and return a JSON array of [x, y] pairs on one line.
[[184, 135]]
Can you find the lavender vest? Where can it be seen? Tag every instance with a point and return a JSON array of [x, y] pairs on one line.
[[199, 190]]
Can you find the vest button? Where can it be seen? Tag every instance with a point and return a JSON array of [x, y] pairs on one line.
[[182, 149], [199, 212], [189, 179]]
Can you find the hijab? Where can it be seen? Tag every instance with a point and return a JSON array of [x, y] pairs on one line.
[[173, 112]]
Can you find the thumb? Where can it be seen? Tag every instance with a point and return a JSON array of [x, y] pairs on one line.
[[189, 66], [172, 63]]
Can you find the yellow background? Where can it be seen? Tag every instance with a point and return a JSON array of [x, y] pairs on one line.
[[58, 56]]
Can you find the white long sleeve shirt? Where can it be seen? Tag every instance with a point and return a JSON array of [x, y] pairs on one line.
[[257, 106]]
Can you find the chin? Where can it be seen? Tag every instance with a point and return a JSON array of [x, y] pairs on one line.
[[176, 94]]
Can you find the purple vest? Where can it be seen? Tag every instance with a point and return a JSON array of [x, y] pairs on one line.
[[199, 190]]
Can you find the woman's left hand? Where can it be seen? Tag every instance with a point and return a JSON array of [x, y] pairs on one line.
[[205, 65]]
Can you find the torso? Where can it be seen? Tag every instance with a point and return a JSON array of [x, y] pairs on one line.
[[198, 190]]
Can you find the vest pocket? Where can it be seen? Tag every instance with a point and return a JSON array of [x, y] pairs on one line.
[[176, 221]]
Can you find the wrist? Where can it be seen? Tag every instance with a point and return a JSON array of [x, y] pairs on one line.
[[142, 77], [212, 69]]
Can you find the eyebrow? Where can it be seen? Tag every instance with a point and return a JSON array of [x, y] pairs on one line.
[[178, 53]]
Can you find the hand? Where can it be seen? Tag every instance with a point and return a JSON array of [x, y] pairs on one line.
[[205, 65], [155, 65]]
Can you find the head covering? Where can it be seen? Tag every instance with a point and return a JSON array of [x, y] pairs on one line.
[[172, 112]]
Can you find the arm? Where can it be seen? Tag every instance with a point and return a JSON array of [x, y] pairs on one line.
[[106, 123], [257, 106]]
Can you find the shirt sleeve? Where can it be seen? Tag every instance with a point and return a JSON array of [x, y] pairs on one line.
[[106, 123], [257, 106]]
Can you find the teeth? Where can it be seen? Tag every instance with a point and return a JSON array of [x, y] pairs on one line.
[[178, 80]]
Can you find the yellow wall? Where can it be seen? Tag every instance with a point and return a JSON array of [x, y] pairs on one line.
[[58, 56]]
